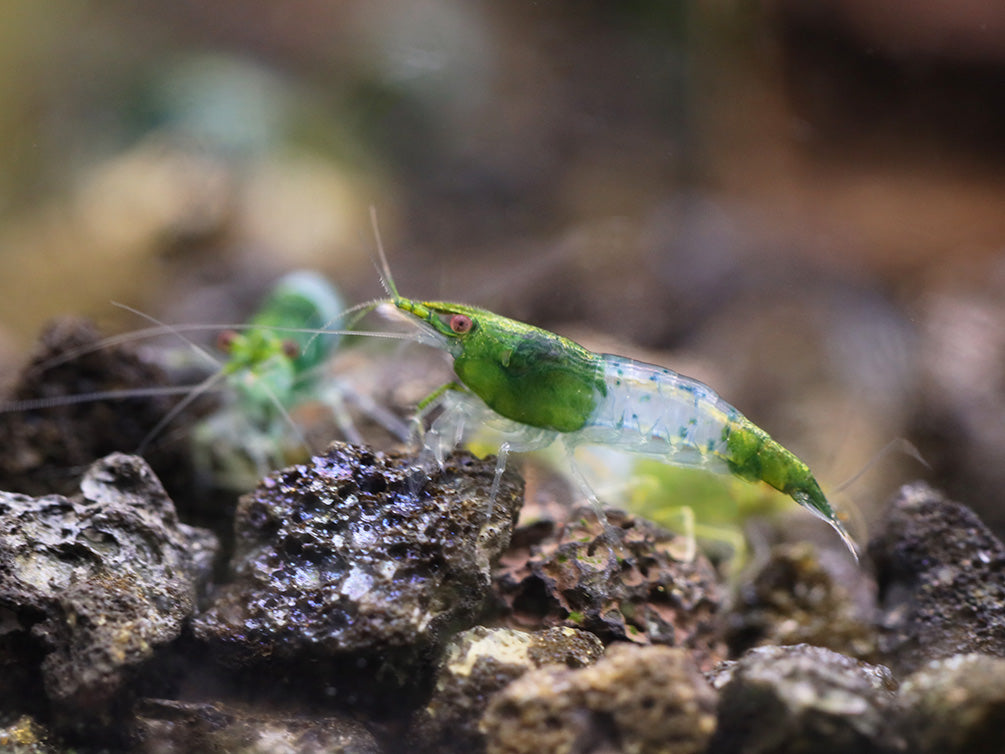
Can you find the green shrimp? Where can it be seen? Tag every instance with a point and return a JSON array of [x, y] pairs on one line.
[[537, 387], [273, 366]]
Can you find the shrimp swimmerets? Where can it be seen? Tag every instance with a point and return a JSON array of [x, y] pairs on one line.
[[537, 387]]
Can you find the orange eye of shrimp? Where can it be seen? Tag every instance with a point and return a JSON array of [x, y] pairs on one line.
[[225, 340], [291, 349], [461, 324]]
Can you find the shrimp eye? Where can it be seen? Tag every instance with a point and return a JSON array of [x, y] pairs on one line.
[[461, 324], [291, 349], [226, 339]]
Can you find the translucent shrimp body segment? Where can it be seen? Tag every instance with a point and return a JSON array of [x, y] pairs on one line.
[[651, 410], [656, 412]]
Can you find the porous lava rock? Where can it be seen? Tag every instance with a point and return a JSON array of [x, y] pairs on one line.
[[623, 583], [637, 699], [480, 662], [801, 698], [941, 578], [792, 598], [92, 585], [356, 568], [61, 429], [955, 705]]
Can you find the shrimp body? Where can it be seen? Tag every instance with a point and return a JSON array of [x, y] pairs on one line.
[[276, 363], [537, 386], [274, 368], [275, 371], [654, 411], [271, 369]]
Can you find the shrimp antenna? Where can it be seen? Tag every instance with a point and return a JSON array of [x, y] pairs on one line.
[[384, 270], [204, 353], [127, 337], [58, 401], [201, 389], [901, 444], [360, 310], [194, 392]]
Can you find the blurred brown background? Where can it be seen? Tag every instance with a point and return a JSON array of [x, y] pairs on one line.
[[802, 203]]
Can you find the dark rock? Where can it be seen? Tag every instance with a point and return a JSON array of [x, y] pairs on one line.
[[635, 699], [801, 699], [92, 585], [362, 559], [480, 662], [166, 727], [47, 447], [644, 595], [793, 599], [941, 577], [955, 706]]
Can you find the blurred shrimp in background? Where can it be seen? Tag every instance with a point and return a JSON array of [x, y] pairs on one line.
[[802, 207]]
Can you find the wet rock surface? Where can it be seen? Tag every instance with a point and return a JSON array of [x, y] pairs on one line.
[[955, 706], [48, 448], [635, 699], [362, 559], [479, 663], [170, 727], [91, 586], [941, 577], [347, 622], [640, 592], [802, 698]]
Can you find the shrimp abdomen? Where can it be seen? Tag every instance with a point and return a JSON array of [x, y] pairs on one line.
[[754, 455]]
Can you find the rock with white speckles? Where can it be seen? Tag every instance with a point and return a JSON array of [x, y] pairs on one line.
[[354, 569], [170, 727], [941, 577]]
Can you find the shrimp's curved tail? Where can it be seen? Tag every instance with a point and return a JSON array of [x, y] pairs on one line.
[[814, 501], [754, 455]]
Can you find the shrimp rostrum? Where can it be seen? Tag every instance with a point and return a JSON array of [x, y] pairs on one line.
[[540, 387]]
